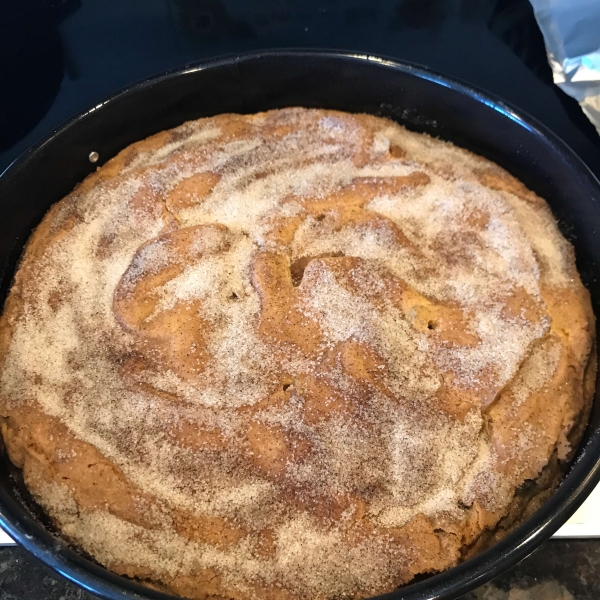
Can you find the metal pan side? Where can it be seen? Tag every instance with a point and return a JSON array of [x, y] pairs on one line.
[[409, 94]]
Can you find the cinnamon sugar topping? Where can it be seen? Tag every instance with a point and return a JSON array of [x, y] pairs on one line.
[[312, 354]]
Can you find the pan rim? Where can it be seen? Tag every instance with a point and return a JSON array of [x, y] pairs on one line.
[[582, 476]]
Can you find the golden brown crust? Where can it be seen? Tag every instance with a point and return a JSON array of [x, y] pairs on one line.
[[299, 354]]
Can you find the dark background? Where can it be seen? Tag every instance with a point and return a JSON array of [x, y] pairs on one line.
[[58, 57]]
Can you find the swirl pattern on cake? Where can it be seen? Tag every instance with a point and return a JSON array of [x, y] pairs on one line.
[[301, 354]]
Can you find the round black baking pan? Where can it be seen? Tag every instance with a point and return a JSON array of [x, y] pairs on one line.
[[413, 96]]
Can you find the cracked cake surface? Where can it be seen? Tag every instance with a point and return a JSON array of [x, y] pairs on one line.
[[302, 354]]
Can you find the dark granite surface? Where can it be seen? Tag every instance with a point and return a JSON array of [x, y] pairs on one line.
[[558, 570]]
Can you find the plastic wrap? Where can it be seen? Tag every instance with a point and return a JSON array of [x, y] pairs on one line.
[[571, 30]]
